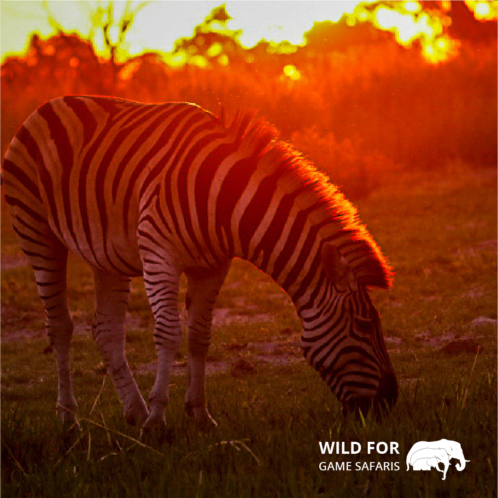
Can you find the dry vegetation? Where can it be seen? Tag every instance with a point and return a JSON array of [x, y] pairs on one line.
[[357, 111]]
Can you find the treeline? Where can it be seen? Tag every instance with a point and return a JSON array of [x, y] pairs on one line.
[[356, 112]]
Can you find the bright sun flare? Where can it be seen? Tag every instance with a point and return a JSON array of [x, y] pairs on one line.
[[158, 24]]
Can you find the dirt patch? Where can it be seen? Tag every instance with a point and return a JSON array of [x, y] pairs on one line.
[[21, 335], [238, 367], [82, 326], [474, 292], [451, 343], [242, 367], [10, 261], [475, 250], [492, 245], [180, 368], [433, 341], [460, 346], [247, 358], [456, 343], [483, 321], [393, 344], [227, 316], [394, 341], [83, 323], [25, 334], [279, 360]]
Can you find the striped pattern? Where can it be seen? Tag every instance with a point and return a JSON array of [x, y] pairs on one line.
[[164, 189]]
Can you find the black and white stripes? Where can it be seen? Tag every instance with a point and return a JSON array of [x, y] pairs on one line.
[[166, 189]]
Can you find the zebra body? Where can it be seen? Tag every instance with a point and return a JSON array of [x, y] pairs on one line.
[[164, 189]]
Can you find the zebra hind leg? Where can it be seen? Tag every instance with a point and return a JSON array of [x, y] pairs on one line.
[[48, 257], [203, 286], [111, 298]]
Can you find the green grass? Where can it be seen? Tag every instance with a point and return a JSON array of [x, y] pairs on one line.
[[435, 228]]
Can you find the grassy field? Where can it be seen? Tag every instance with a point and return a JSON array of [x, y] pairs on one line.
[[439, 230]]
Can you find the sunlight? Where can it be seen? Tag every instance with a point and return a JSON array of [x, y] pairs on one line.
[[412, 7], [406, 20], [403, 25], [158, 25], [483, 11], [292, 72]]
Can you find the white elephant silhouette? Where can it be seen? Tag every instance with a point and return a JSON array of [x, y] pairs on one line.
[[425, 464], [427, 458], [428, 464], [425, 455]]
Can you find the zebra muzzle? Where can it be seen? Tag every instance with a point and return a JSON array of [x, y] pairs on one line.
[[380, 404], [388, 391]]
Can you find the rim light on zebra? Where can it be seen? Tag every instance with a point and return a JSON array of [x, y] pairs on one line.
[[164, 189]]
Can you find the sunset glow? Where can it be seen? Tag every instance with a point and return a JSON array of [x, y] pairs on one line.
[[158, 25], [483, 11], [406, 20]]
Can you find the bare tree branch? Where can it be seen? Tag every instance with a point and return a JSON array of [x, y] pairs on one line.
[[105, 26], [51, 18]]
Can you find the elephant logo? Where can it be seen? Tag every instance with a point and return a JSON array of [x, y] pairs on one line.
[[426, 455]]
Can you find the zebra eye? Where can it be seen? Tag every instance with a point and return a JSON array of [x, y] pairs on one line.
[[363, 324]]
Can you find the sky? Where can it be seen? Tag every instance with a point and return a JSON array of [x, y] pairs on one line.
[[161, 22], [156, 26]]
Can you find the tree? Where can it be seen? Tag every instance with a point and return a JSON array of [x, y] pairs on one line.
[[212, 41], [108, 30], [328, 36]]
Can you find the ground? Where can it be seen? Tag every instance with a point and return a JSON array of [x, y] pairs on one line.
[[439, 321]]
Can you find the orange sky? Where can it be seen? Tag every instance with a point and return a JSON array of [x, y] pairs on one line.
[[159, 24]]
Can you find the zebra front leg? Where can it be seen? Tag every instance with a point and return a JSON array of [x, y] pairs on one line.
[[111, 301], [162, 287], [203, 286]]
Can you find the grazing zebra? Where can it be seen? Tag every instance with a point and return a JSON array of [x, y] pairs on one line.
[[164, 189]]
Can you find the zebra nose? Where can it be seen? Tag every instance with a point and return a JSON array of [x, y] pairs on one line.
[[387, 393], [356, 404], [380, 404]]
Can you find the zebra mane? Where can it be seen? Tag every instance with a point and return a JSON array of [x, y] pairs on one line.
[[261, 139]]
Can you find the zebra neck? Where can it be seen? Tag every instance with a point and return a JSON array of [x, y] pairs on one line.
[[294, 263]]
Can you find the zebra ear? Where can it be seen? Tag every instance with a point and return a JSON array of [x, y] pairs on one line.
[[336, 267]]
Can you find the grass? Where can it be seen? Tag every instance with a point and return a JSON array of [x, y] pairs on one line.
[[438, 230]]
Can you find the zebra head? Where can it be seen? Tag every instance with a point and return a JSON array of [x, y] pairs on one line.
[[343, 340]]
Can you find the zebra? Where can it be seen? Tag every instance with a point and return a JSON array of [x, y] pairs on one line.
[[162, 190]]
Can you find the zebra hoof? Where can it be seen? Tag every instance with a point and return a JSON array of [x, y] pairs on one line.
[[154, 430], [71, 433], [67, 414], [137, 415], [201, 417]]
